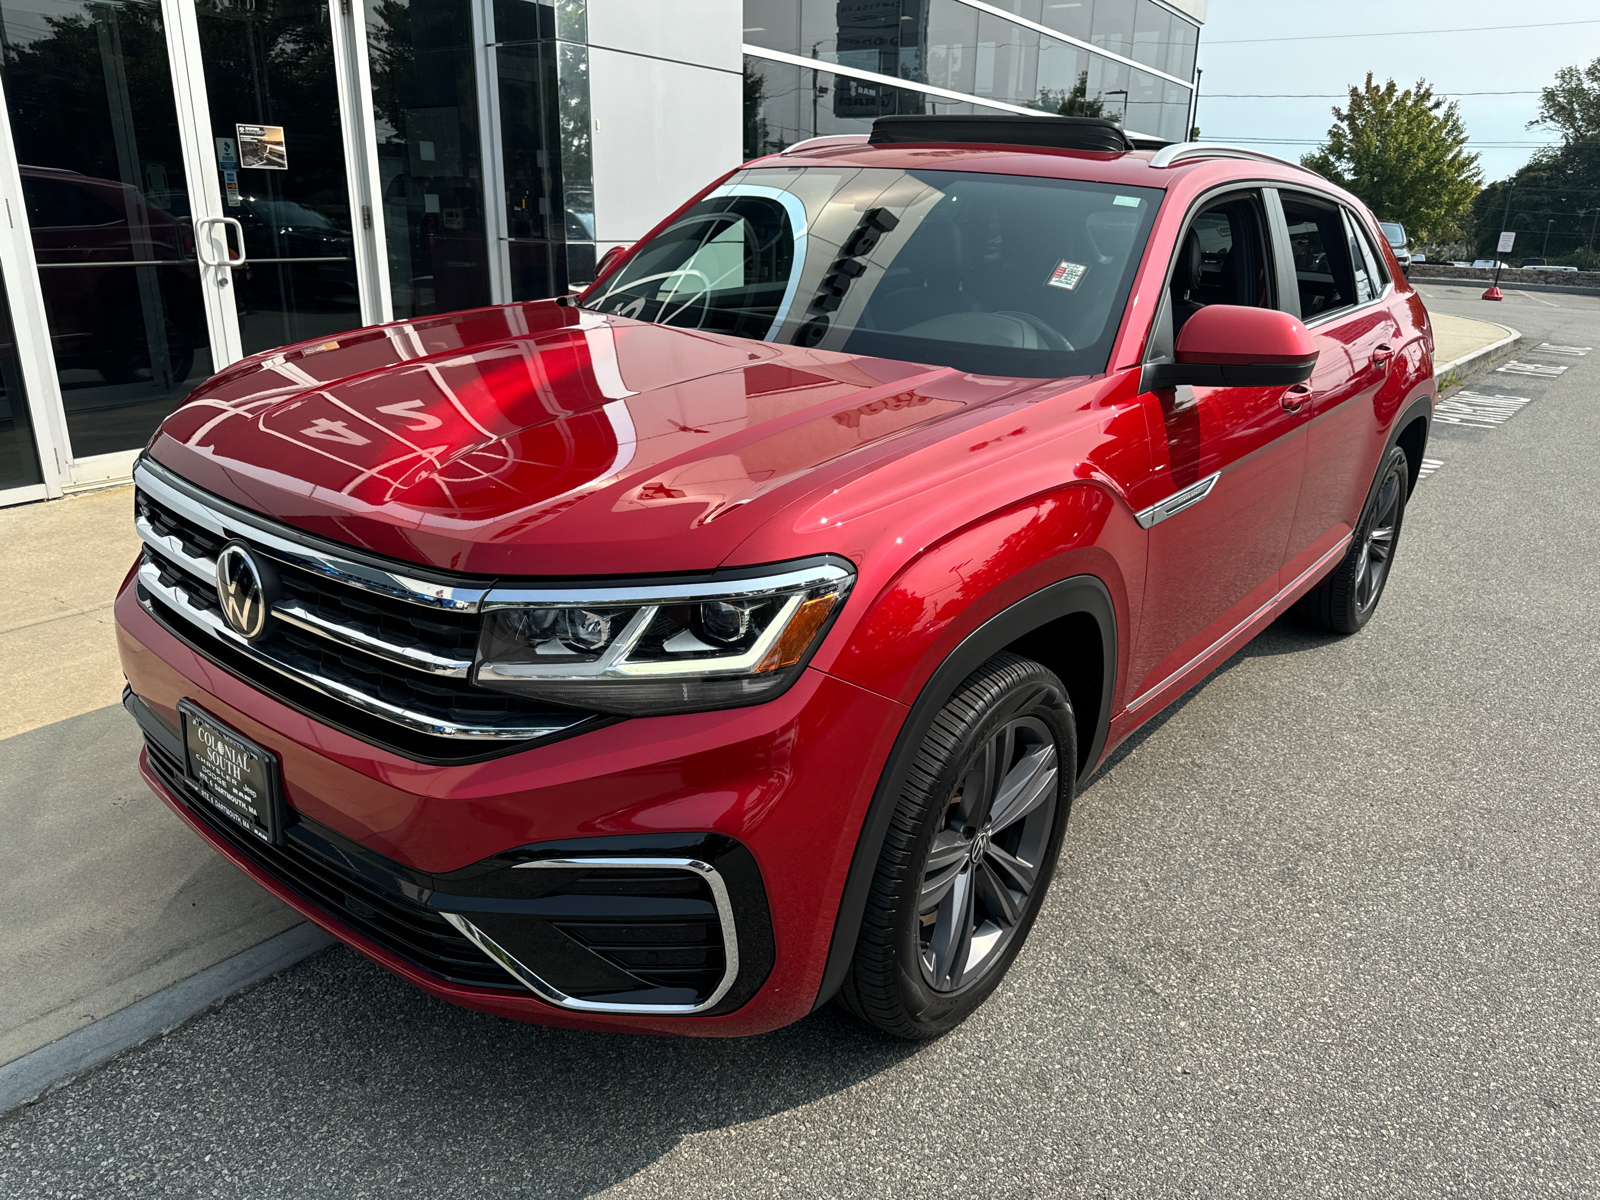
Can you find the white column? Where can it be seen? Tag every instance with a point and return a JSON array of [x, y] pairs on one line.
[[666, 99], [347, 22]]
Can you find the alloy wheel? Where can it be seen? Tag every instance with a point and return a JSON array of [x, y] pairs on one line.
[[1378, 548], [979, 877]]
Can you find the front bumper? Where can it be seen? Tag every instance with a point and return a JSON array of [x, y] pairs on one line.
[[406, 861]]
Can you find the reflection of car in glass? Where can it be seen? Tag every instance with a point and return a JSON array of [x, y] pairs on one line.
[[733, 636], [118, 275], [1395, 233]]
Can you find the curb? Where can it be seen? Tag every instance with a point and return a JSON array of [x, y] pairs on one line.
[[1568, 289], [1454, 372], [26, 1078]]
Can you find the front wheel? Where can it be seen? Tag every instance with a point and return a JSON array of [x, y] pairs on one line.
[[1345, 600], [969, 852]]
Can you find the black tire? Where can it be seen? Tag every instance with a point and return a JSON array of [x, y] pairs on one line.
[[1346, 599], [968, 828]]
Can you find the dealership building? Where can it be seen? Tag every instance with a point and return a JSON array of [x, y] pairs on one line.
[[187, 182]]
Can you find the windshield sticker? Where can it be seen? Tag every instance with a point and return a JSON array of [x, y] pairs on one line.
[[1127, 201], [1066, 275]]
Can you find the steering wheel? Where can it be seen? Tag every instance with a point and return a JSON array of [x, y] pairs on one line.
[[1048, 335]]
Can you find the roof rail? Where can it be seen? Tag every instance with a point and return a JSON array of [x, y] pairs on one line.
[[1171, 156], [827, 139]]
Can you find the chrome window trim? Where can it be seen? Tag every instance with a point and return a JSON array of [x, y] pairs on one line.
[[176, 598], [551, 994], [1176, 503], [299, 549]]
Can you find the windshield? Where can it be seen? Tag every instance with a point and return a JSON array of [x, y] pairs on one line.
[[1396, 233], [993, 274]]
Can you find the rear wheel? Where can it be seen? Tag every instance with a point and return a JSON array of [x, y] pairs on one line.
[[969, 852], [1345, 600]]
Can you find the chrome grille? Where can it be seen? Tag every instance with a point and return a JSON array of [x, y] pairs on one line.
[[376, 647]]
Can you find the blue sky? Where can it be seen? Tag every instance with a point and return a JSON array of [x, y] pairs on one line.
[[1504, 60]]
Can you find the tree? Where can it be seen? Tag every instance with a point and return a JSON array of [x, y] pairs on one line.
[[1404, 153], [1075, 102], [1571, 105]]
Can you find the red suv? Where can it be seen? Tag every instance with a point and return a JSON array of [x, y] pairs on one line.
[[733, 636]]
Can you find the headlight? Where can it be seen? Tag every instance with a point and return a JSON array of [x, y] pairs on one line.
[[639, 650]]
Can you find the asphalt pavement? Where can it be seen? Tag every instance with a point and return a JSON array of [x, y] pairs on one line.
[[1327, 927]]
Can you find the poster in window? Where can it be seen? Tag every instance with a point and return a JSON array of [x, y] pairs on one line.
[[262, 146]]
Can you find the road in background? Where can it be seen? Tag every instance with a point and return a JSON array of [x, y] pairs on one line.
[[1328, 927]]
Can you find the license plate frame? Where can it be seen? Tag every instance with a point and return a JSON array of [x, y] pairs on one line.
[[240, 780]]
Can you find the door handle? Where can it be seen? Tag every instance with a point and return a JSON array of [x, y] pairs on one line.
[[1294, 398], [201, 241], [1381, 354]]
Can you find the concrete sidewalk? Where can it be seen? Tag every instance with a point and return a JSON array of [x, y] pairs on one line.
[[109, 898], [113, 903]]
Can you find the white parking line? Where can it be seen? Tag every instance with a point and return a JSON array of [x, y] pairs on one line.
[[1429, 466], [1543, 370], [1477, 411], [1570, 351], [1535, 299]]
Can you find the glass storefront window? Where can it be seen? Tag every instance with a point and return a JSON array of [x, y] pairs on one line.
[[424, 101], [19, 456], [90, 96], [787, 104], [269, 63]]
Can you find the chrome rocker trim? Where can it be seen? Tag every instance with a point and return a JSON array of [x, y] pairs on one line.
[[529, 979], [1177, 502]]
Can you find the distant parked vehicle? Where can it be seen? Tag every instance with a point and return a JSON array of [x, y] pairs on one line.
[[1530, 263], [1489, 264], [1419, 257], [1459, 263], [1396, 234]]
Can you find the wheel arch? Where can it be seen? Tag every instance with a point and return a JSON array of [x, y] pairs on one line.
[[1051, 626], [1411, 435]]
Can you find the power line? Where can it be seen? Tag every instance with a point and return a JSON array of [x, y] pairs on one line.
[[1342, 95], [1222, 137], [1321, 37]]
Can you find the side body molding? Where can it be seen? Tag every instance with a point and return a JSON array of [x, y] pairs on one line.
[[1079, 594]]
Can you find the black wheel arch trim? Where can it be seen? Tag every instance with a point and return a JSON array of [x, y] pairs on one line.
[[1081, 594], [1419, 407]]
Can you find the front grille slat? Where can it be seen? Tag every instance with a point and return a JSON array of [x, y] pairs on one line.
[[390, 669]]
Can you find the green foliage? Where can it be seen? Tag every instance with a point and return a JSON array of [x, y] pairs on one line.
[[1075, 102], [1554, 200], [1404, 153], [1571, 105]]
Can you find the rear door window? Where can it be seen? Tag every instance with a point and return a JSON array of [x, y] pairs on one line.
[[1323, 269]]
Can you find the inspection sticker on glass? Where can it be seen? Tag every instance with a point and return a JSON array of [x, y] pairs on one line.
[[1066, 275], [262, 146], [1127, 201]]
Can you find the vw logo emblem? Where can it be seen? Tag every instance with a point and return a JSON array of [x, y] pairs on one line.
[[242, 590]]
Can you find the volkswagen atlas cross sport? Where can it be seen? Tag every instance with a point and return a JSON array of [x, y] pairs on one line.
[[732, 636]]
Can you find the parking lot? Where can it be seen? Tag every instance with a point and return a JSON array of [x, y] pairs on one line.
[[1325, 928]]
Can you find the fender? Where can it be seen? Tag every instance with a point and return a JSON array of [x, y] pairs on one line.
[[1079, 594]]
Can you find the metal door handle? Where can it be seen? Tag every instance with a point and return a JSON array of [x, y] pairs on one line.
[[1296, 396], [1382, 354], [201, 241]]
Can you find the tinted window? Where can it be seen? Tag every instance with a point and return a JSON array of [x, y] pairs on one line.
[[1222, 259], [1321, 249], [55, 204], [1364, 253], [994, 274]]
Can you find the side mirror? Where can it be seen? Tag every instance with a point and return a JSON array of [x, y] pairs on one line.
[[1228, 345], [609, 260]]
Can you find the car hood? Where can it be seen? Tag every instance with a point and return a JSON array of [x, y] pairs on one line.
[[545, 440]]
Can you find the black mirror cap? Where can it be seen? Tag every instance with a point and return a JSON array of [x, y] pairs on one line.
[[1174, 374], [1053, 133]]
